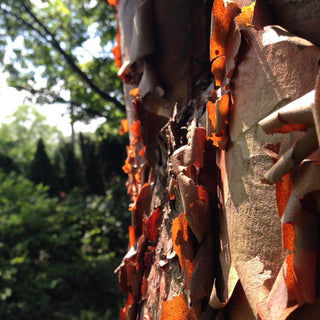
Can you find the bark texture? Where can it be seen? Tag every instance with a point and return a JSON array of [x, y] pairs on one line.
[[221, 229]]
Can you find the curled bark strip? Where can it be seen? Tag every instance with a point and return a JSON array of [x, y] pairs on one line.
[[191, 153], [149, 82], [316, 107], [214, 301], [293, 156], [305, 146], [296, 112]]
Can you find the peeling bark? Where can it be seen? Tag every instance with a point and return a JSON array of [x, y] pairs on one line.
[[205, 86]]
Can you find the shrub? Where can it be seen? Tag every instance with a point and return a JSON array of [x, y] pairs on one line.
[[57, 258]]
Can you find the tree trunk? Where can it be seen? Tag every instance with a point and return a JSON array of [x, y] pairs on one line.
[[221, 229]]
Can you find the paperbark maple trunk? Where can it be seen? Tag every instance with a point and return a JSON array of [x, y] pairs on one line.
[[214, 234]]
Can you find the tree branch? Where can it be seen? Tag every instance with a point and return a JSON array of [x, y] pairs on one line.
[[67, 57]]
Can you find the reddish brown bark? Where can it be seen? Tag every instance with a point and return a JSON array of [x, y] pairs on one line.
[[221, 229]]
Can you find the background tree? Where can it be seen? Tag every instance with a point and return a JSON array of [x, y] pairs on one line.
[[93, 176], [61, 53], [19, 137], [7, 164], [112, 153], [73, 170], [41, 170]]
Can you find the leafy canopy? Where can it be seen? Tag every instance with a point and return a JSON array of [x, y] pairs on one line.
[[60, 51]]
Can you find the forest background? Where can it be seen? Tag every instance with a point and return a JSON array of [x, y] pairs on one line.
[[63, 203]]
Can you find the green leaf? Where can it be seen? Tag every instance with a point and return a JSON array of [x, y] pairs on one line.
[[17, 260]]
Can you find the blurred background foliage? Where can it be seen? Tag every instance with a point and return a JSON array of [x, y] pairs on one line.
[[63, 204], [63, 222], [60, 52]]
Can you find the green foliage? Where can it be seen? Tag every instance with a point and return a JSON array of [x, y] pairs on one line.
[[57, 258], [60, 51], [30, 146], [19, 137]]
